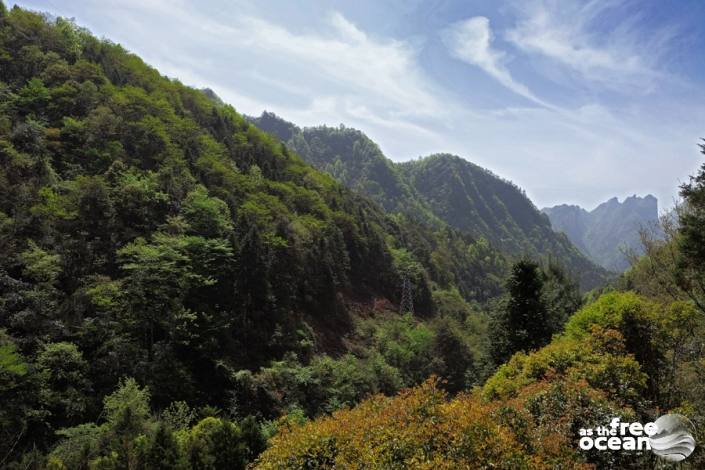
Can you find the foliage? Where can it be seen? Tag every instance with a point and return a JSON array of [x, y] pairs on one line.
[[690, 270], [417, 428], [525, 416], [132, 437], [440, 190], [65, 386], [151, 232], [537, 304], [177, 285]]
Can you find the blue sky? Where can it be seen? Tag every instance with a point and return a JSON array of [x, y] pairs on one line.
[[575, 101]]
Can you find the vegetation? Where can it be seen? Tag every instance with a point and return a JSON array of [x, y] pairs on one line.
[[636, 356], [440, 190], [613, 359], [180, 290], [475, 200], [537, 305], [162, 251]]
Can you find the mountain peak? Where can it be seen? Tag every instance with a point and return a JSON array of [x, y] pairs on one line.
[[441, 189], [213, 96], [607, 230], [273, 124]]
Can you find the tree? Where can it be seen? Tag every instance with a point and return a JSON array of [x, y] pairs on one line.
[[127, 412], [690, 263], [33, 96], [453, 354], [215, 443], [163, 451], [561, 295], [253, 438], [207, 216], [127, 408], [30, 307], [522, 322], [18, 398], [65, 389], [159, 276]]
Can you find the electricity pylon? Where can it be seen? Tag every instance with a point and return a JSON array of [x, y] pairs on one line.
[[407, 296]]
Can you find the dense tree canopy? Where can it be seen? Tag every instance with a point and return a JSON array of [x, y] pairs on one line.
[[442, 190], [178, 289], [151, 233]]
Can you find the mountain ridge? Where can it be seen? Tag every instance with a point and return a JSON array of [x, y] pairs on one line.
[[438, 189], [610, 231]]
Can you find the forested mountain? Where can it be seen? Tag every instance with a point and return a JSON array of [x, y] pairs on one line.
[[608, 233], [181, 290], [475, 200], [442, 187], [168, 267], [353, 159], [633, 353]]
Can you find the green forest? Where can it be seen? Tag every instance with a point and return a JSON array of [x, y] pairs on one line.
[[439, 190], [179, 288]]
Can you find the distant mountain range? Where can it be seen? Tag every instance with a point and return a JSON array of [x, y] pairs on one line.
[[610, 231], [441, 190]]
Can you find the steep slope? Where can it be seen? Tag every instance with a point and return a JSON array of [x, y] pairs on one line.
[[571, 220], [441, 189], [154, 231], [475, 200], [353, 159], [610, 230]]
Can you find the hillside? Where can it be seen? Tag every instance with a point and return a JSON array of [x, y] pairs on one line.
[[440, 188], [160, 249], [633, 353], [180, 289], [608, 233], [529, 413], [477, 201], [353, 159]]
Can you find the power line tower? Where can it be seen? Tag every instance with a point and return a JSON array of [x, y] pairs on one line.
[[407, 296]]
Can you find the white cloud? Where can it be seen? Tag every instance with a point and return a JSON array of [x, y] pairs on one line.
[[570, 32], [471, 42], [384, 70], [584, 158], [326, 69]]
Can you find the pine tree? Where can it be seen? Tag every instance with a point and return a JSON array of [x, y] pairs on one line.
[[523, 322], [163, 452], [690, 267]]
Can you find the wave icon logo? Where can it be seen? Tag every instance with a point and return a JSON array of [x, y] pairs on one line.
[[673, 440]]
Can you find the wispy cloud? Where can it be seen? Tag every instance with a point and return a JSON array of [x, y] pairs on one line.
[[321, 67], [330, 71], [471, 42], [385, 68], [623, 57]]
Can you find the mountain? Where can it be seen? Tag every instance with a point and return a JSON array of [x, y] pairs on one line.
[[113, 174], [610, 231], [353, 159], [475, 200], [179, 289], [162, 253], [438, 190]]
